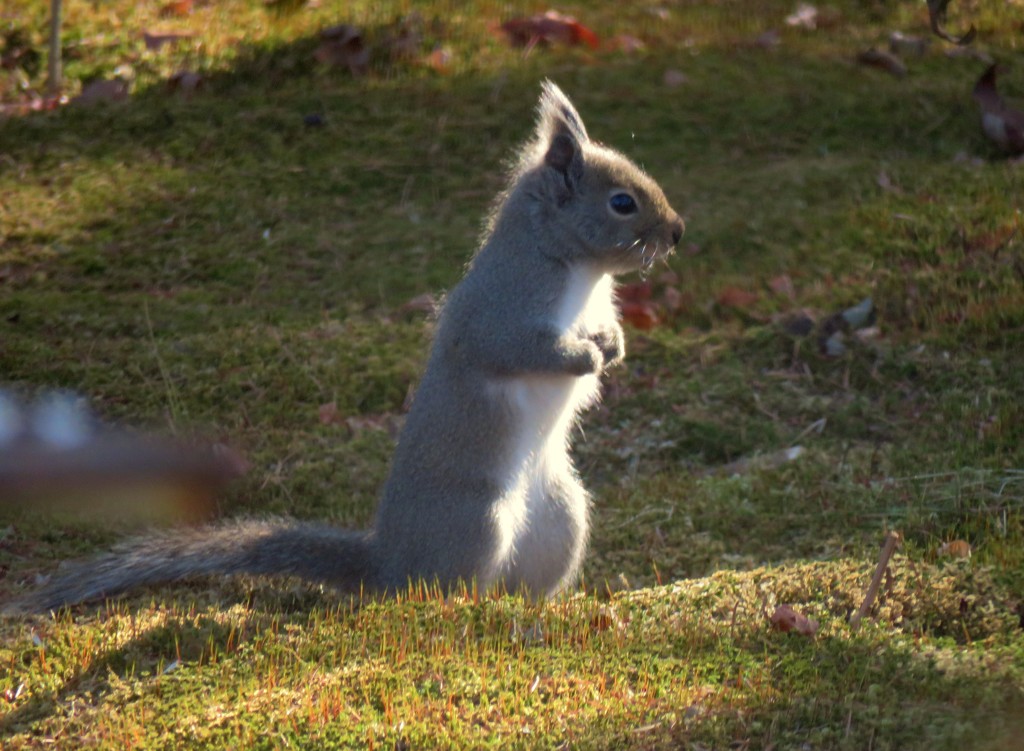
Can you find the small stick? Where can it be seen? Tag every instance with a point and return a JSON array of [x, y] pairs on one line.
[[892, 541], [54, 83]]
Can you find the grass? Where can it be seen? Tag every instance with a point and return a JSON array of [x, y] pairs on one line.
[[209, 263]]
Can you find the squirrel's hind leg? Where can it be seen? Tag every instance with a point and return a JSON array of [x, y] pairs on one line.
[[550, 547]]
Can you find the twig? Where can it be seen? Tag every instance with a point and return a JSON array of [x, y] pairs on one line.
[[54, 83], [892, 541]]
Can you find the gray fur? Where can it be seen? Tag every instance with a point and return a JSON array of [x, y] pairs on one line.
[[482, 488]]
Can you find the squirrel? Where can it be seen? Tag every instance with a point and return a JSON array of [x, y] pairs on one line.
[[482, 488]]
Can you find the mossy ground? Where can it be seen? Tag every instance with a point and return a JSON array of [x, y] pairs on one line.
[[210, 263]]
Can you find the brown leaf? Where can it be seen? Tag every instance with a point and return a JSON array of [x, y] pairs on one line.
[[1002, 124], [178, 8], [104, 90], [635, 292], [440, 60], [903, 44], [674, 78], [734, 297], [626, 43], [550, 28], [329, 414], [786, 619], [343, 46], [955, 549], [155, 41], [782, 285], [883, 61], [184, 82], [425, 303], [640, 315]]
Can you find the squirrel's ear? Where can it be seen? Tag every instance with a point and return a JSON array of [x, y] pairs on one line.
[[561, 130]]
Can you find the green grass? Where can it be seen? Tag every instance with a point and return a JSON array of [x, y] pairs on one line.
[[210, 264]]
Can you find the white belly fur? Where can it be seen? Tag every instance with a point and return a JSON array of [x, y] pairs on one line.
[[546, 407]]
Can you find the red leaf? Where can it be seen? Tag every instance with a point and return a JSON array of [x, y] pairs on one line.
[[786, 619], [640, 315], [550, 28], [329, 414], [734, 297], [106, 90], [156, 41], [343, 46], [783, 285], [177, 8], [634, 292]]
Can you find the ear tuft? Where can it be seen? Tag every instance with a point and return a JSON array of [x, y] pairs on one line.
[[557, 115]]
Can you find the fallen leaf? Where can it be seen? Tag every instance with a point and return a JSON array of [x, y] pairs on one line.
[[639, 315], [1002, 124], [786, 619], [955, 549], [550, 28], [626, 43], [674, 299], [184, 82], [885, 183], [782, 285], [103, 90], [804, 17], [734, 297], [155, 41], [329, 414], [937, 16], [674, 78], [883, 61], [425, 303], [440, 60], [343, 46], [902, 44], [635, 292], [178, 8], [767, 40]]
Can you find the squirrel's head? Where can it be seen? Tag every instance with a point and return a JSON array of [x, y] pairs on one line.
[[603, 204]]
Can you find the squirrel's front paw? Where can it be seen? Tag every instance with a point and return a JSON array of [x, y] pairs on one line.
[[612, 344], [587, 359]]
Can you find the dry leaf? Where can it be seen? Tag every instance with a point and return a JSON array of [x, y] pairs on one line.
[[804, 17], [105, 90], [1002, 124], [329, 414], [343, 46], [782, 285], [184, 82], [626, 43], [639, 315], [155, 41], [955, 549], [767, 40], [440, 60], [786, 619], [883, 61], [550, 28], [902, 44], [674, 78], [178, 8], [425, 303], [734, 297]]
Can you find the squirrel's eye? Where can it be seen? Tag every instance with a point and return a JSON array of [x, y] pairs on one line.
[[622, 203]]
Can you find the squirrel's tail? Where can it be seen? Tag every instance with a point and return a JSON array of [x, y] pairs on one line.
[[313, 552]]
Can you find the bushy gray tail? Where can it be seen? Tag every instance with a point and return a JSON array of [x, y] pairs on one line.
[[313, 552]]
